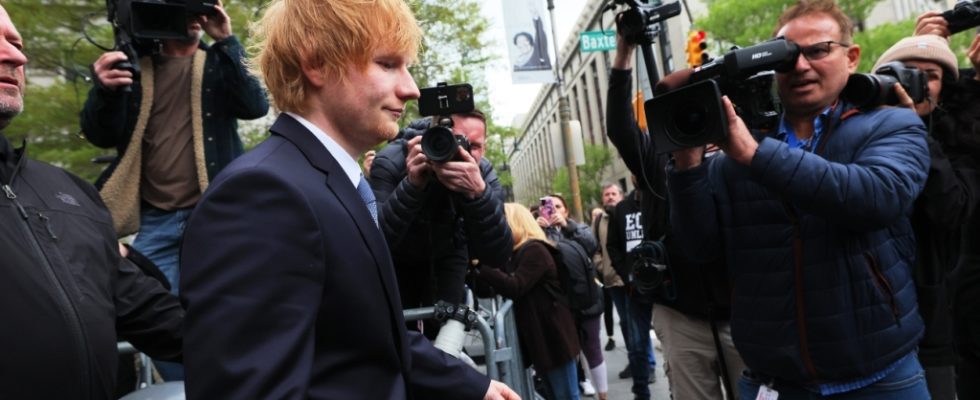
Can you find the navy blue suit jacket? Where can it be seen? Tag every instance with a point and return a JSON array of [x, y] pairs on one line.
[[290, 291]]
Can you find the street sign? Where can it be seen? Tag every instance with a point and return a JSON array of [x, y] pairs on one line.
[[597, 41]]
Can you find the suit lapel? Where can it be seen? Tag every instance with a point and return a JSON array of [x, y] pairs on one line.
[[338, 183]]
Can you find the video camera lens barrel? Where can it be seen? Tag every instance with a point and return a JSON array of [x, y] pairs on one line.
[[439, 144]]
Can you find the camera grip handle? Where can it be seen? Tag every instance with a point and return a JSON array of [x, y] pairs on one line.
[[126, 66]]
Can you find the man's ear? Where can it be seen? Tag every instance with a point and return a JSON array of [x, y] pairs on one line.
[[314, 76], [853, 57]]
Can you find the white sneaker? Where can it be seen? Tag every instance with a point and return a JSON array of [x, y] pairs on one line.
[[587, 388]]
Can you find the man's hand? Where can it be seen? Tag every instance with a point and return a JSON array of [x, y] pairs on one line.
[[417, 164], [461, 176], [218, 26], [108, 77], [932, 23], [624, 52], [500, 391], [974, 55], [741, 146]]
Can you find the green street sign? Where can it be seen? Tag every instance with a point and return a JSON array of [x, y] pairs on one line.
[[597, 41]]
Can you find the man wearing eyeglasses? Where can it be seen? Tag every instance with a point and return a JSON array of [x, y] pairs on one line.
[[813, 223]]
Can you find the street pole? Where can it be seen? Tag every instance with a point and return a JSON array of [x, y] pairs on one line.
[[565, 116]]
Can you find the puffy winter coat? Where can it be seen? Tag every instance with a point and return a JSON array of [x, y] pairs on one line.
[[434, 229], [819, 245]]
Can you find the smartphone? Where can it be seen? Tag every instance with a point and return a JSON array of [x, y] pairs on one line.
[[547, 208]]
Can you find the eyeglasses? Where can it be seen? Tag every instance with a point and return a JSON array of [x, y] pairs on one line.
[[820, 50]]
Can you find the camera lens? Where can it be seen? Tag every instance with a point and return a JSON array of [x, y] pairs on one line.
[[689, 120], [438, 144], [869, 90]]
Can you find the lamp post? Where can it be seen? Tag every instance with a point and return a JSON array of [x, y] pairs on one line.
[[564, 117]]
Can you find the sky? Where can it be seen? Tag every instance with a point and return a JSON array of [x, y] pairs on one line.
[[509, 100]]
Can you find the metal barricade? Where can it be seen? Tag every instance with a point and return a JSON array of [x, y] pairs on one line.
[[502, 354], [501, 349]]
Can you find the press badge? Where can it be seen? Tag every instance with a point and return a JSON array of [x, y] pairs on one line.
[[767, 393]]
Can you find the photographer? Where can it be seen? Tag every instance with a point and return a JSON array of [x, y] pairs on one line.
[[171, 140], [812, 220], [947, 201], [173, 132], [438, 216], [688, 321], [947, 268]]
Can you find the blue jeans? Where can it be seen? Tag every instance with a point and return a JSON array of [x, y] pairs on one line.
[[159, 240], [639, 348], [618, 295], [563, 381], [906, 382]]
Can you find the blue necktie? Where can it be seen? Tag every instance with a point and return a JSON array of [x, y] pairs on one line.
[[364, 189]]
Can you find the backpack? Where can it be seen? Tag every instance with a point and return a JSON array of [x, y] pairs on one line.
[[577, 276]]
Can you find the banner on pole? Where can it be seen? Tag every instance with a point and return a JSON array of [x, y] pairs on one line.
[[528, 41]]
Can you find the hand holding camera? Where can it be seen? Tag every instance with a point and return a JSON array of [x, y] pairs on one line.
[[932, 23], [461, 176], [109, 73], [217, 25], [740, 145], [417, 164]]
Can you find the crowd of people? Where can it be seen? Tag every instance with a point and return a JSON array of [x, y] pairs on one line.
[[833, 256]]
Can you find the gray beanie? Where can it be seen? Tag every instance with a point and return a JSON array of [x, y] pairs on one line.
[[932, 48]]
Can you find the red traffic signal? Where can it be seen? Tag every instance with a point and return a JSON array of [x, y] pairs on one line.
[[695, 48]]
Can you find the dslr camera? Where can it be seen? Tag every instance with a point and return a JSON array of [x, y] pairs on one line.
[[693, 115], [963, 16], [439, 143], [878, 89]]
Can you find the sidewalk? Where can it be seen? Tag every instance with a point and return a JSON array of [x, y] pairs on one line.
[[616, 360]]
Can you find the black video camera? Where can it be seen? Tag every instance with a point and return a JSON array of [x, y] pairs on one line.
[[634, 21], [693, 115], [156, 19], [963, 16], [439, 143], [650, 267], [136, 24], [872, 90]]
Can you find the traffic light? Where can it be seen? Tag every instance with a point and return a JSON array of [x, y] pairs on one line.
[[695, 49]]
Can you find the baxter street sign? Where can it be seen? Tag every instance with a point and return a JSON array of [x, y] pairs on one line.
[[597, 41]]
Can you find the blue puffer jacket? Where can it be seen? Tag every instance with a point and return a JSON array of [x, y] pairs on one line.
[[819, 245]]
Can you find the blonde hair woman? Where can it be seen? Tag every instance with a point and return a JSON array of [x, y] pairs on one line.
[[545, 326]]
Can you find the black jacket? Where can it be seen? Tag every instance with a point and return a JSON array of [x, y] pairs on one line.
[[67, 296], [948, 201], [430, 233], [701, 289]]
